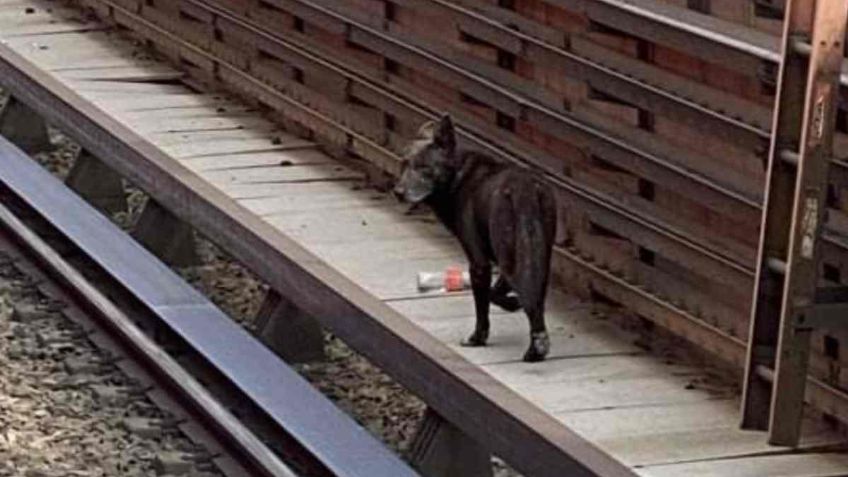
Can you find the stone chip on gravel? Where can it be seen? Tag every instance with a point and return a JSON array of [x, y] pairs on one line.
[[140, 426], [51, 422], [27, 313], [172, 463]]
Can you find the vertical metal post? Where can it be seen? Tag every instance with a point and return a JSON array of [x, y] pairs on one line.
[[24, 127], [97, 183], [288, 331], [441, 450], [796, 187], [168, 237]]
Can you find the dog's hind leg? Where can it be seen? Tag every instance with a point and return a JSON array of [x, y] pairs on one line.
[[481, 279], [531, 284], [501, 298], [540, 343]]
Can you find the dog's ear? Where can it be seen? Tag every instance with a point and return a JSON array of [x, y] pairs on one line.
[[426, 131], [445, 135]]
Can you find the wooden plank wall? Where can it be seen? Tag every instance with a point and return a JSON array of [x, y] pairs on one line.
[[659, 199]]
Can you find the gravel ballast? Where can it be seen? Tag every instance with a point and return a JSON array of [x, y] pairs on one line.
[[65, 409]]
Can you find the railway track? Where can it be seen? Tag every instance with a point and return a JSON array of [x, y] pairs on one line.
[[37, 261], [710, 312], [108, 286]]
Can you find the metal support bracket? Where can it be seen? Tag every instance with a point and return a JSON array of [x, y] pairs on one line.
[[24, 127], [288, 331], [97, 184], [171, 239], [442, 450]]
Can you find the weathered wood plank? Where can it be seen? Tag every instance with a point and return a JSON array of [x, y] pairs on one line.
[[792, 465], [386, 276], [262, 192], [90, 89], [666, 434], [139, 72], [202, 124], [396, 250], [43, 28], [165, 102], [290, 198], [353, 224], [273, 137], [223, 147], [602, 382], [277, 174], [75, 50], [574, 331], [295, 153]]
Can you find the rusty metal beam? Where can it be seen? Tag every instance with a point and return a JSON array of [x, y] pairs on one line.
[[796, 191]]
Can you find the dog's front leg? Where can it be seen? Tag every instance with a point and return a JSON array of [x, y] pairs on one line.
[[481, 282]]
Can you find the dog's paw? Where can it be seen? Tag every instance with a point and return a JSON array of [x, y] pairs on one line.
[[477, 339], [507, 303], [540, 346]]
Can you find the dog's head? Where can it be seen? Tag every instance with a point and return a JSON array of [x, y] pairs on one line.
[[430, 162]]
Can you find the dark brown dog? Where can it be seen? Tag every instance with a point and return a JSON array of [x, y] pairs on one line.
[[501, 214]]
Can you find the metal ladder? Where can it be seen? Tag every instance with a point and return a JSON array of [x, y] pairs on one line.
[[788, 304]]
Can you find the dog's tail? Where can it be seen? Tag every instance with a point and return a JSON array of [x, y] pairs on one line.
[[536, 231]]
